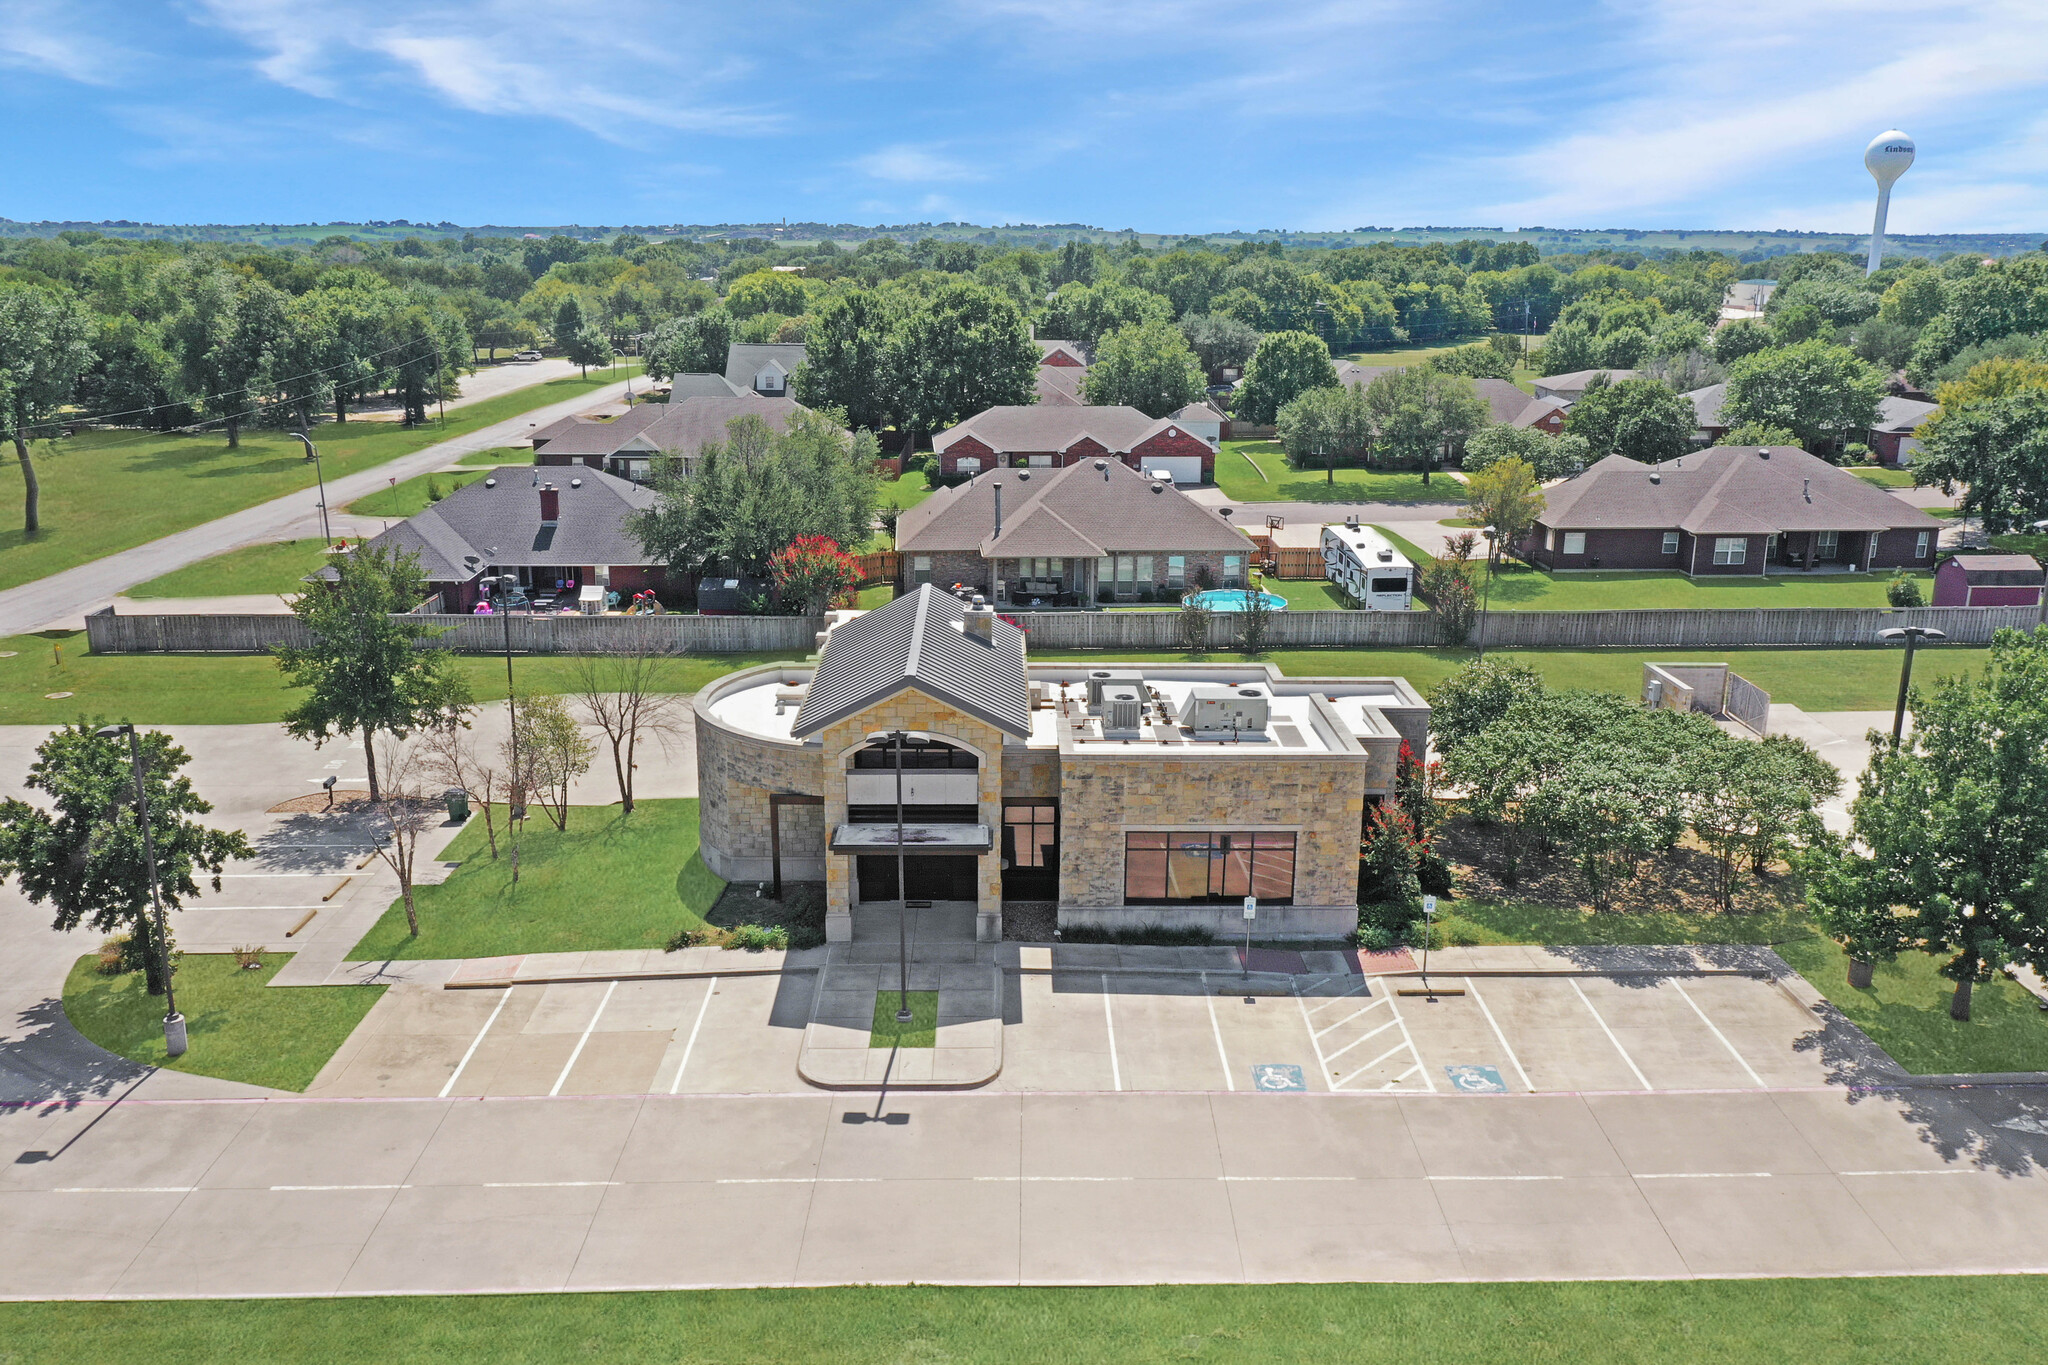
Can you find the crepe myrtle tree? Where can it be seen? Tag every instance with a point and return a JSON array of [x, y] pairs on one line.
[[810, 572], [83, 853]]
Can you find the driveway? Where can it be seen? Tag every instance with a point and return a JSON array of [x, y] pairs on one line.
[[62, 599]]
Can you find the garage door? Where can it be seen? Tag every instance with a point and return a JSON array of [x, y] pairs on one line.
[[1184, 468]]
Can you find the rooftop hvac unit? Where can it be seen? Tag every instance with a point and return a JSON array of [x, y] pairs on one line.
[[1213, 707], [1102, 679], [1123, 708]]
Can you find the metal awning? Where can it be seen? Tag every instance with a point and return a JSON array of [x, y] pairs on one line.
[[916, 839]]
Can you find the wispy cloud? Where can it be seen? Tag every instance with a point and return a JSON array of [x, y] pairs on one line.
[[911, 165], [67, 40]]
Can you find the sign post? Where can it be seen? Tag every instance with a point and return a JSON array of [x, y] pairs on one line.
[[1251, 912], [1428, 933]]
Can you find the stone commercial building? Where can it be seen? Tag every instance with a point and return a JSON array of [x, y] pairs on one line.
[[1160, 795]]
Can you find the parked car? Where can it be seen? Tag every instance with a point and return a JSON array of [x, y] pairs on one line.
[[526, 355]]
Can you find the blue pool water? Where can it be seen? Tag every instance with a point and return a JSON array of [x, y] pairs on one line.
[[1235, 599]]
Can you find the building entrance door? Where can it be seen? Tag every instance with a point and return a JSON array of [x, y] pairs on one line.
[[931, 877]]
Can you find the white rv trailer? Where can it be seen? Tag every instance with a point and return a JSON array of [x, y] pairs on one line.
[[1365, 564]]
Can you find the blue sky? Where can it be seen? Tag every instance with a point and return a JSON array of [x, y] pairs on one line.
[[1164, 115]]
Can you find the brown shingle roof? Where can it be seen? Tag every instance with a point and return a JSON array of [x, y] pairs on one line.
[[1059, 386], [1072, 512], [588, 436], [1728, 490], [1039, 427], [1504, 402]]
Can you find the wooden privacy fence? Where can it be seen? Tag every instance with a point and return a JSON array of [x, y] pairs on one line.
[[879, 567], [1707, 628], [794, 635]]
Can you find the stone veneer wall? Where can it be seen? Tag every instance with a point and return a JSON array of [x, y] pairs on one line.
[[736, 772], [1031, 774], [1322, 799], [910, 709]]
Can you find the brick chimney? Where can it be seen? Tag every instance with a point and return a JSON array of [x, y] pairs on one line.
[[550, 504]]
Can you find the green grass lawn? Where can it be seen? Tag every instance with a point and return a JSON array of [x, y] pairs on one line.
[[277, 567], [881, 595], [1905, 1011], [1239, 480], [1813, 679], [921, 1031], [499, 455], [239, 1029], [2016, 543], [1882, 477], [1520, 588], [240, 689], [1309, 594], [1897, 1320], [109, 490], [609, 881], [414, 495], [908, 491]]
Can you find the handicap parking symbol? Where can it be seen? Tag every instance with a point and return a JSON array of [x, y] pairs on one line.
[[1277, 1076], [1476, 1080]]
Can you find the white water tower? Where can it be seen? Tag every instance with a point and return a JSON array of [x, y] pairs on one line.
[[1887, 157]]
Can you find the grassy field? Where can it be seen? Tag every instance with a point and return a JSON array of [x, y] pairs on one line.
[[277, 567], [1901, 1321], [109, 490], [241, 689], [414, 495], [1882, 477], [1240, 481], [1905, 1011], [908, 491], [610, 881], [239, 1028], [499, 455]]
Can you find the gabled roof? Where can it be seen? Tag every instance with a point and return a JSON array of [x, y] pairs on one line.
[[1706, 405], [687, 425], [1535, 410], [1577, 380], [745, 359], [588, 436], [455, 537], [1902, 414], [1728, 490], [1039, 427], [1998, 571], [1350, 372], [1198, 412], [684, 386], [1504, 402], [1075, 512], [1061, 354], [1060, 386], [919, 641]]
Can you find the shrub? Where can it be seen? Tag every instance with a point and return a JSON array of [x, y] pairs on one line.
[[1145, 595], [249, 956], [804, 915], [114, 954], [1105, 593], [434, 493], [755, 938], [1205, 579], [690, 938], [1374, 938], [1902, 591]]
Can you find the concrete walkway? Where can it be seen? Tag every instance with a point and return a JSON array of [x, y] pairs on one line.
[[63, 598]]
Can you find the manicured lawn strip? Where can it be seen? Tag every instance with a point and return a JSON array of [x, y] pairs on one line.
[[414, 495], [245, 689], [921, 1031], [1496, 922], [908, 491], [1310, 594], [1882, 477], [1902, 1321], [609, 881], [239, 1028], [277, 567], [1813, 679], [880, 595], [110, 490], [1241, 482], [1520, 588], [499, 455]]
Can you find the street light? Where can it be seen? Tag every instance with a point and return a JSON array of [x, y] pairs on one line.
[[1486, 597], [1912, 635], [895, 739], [174, 1022], [313, 454]]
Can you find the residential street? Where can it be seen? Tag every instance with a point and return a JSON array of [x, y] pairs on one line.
[[64, 598]]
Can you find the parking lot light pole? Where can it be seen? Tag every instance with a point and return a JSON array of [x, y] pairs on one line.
[[319, 474], [895, 739], [1912, 635], [174, 1022]]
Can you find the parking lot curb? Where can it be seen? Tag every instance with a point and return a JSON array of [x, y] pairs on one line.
[[566, 978]]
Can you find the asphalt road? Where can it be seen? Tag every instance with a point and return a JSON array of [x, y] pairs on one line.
[[67, 596]]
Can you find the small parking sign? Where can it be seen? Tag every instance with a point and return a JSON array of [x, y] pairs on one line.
[[1278, 1076], [1476, 1080]]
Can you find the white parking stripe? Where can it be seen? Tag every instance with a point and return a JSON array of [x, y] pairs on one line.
[[691, 1046], [1716, 1032], [1472, 989], [1391, 1023], [1224, 1057], [1426, 1078], [570, 1065], [1116, 1075], [1363, 1009], [1640, 1077], [1322, 1062], [474, 1044]]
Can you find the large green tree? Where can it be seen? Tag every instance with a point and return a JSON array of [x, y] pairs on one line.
[[1639, 418], [227, 338], [1086, 313], [846, 358], [1552, 457], [365, 671], [1219, 342], [1285, 366], [1323, 424], [83, 854], [45, 347], [1997, 450], [1950, 829], [1817, 389], [967, 349], [1147, 366], [1418, 413]]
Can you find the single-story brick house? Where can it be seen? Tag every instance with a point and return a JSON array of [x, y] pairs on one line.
[[539, 526], [1988, 581], [1892, 440], [1067, 536], [1064, 355], [1035, 436], [1728, 510], [626, 445]]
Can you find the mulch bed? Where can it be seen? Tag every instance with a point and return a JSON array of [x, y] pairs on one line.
[[1030, 921], [1679, 879]]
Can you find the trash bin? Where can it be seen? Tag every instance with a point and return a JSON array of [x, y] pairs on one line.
[[458, 804]]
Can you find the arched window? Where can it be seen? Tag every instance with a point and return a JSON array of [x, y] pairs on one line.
[[918, 755]]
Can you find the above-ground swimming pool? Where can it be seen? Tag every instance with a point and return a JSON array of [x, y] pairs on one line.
[[1235, 599]]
